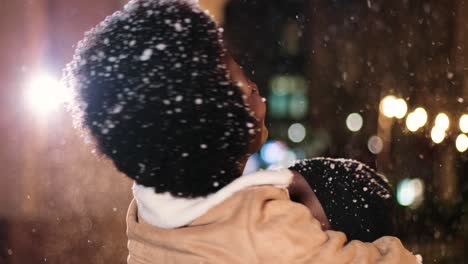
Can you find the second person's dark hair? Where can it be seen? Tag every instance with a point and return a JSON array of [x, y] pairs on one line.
[[357, 200]]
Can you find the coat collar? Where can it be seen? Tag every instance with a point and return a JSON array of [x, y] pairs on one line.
[[166, 211]]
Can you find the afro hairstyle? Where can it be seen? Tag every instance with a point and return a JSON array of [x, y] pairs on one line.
[[150, 85]]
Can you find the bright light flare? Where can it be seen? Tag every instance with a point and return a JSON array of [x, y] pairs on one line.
[[442, 121], [462, 143], [44, 93], [464, 123]]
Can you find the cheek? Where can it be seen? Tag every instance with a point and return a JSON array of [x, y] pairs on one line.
[[262, 110], [264, 134], [258, 107]]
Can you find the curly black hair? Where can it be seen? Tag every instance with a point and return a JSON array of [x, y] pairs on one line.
[[151, 87], [357, 200]]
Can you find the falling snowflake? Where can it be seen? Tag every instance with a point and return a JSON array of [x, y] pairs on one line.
[[146, 54], [178, 27], [161, 46]]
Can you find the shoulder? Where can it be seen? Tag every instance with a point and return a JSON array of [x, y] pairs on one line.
[[277, 223]]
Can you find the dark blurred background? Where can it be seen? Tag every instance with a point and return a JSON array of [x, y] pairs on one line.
[[384, 82]]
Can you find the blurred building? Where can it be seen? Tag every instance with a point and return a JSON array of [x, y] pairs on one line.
[[339, 59]]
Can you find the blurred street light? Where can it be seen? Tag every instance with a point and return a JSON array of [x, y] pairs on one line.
[[442, 121], [464, 123], [401, 108], [387, 106], [437, 134], [462, 143], [416, 119], [412, 123], [375, 145], [421, 116], [273, 152], [354, 122], [296, 132], [410, 192], [393, 107], [44, 93]]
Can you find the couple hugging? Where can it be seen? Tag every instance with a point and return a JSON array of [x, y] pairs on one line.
[[166, 102]]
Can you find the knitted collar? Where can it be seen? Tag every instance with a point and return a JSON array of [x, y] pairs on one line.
[[166, 211]]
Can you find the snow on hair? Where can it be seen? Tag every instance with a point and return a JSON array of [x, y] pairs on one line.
[[192, 2], [134, 3], [129, 77]]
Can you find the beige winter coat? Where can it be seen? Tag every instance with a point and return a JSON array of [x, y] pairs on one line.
[[258, 224]]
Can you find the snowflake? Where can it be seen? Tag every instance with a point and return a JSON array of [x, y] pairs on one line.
[[146, 54], [161, 46]]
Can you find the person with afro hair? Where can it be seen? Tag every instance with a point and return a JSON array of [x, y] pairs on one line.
[[162, 99]]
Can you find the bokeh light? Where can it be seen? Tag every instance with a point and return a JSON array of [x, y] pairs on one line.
[[375, 145], [462, 143], [253, 164], [401, 108], [288, 159], [421, 116], [273, 152], [297, 132], [412, 122], [298, 105], [388, 105], [392, 106], [45, 93], [464, 123], [410, 192], [354, 122], [442, 121], [416, 120], [437, 134]]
